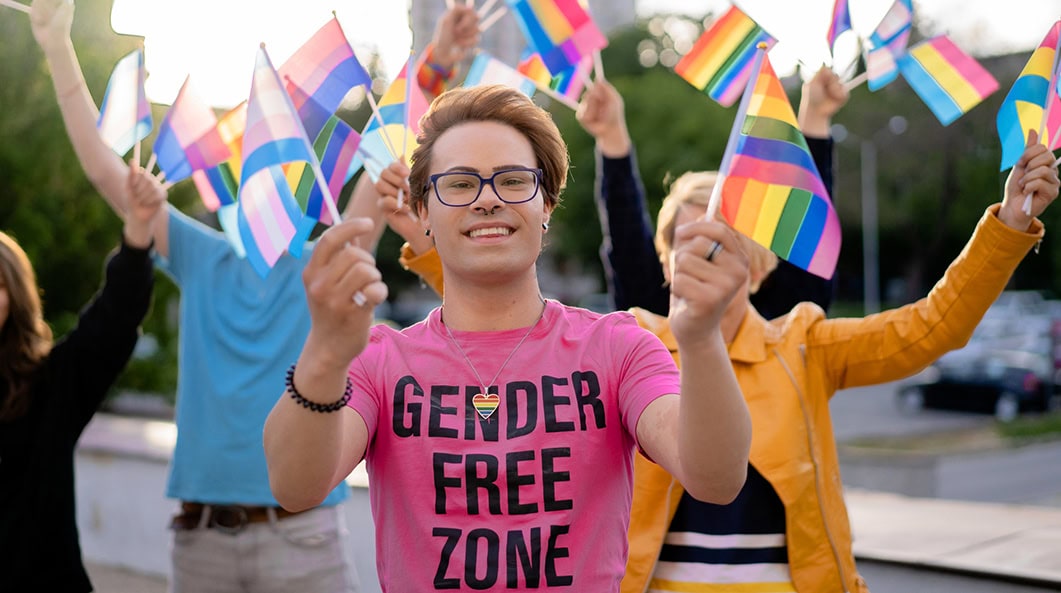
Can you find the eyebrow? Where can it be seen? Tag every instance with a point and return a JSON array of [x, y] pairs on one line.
[[466, 169]]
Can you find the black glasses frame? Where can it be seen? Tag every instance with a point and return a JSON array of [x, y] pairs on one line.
[[432, 181]]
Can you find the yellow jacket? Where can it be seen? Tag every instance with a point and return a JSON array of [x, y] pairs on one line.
[[790, 367]]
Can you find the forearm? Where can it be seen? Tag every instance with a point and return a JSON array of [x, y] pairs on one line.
[[103, 167], [307, 452], [714, 428]]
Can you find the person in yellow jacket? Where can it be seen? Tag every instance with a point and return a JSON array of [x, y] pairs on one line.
[[791, 533]]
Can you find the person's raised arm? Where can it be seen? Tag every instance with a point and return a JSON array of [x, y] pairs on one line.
[[308, 453], [703, 436], [51, 21], [634, 272], [456, 34]]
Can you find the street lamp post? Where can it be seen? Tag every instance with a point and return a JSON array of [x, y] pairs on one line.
[[870, 224]]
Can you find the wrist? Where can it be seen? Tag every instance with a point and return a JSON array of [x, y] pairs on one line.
[[614, 145], [136, 238]]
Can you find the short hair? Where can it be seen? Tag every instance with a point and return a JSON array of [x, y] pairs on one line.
[[499, 104], [25, 338], [695, 187]]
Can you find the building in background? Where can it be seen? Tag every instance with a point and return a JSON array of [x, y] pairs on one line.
[[504, 39]]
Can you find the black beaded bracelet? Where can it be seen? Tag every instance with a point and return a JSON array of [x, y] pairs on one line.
[[289, 382]]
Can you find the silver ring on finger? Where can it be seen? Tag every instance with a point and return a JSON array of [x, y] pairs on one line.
[[359, 299], [712, 253]]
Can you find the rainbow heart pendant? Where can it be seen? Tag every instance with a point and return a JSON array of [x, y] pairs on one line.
[[486, 405]]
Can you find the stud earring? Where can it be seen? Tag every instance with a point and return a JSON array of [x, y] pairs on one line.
[[545, 226], [427, 233]]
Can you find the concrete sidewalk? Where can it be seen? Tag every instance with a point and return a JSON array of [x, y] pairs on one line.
[[995, 541], [1011, 542]]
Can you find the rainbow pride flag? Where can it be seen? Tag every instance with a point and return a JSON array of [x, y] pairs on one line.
[[400, 107], [188, 139], [840, 22], [947, 79], [532, 66], [888, 44], [560, 30], [721, 60], [325, 67], [486, 69], [570, 83], [335, 144], [125, 115], [218, 186], [1031, 99], [769, 187], [268, 211]]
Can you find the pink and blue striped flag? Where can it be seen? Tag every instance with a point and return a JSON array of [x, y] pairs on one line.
[[401, 108], [188, 138], [486, 69], [125, 115], [335, 143], [720, 63], [888, 44], [1031, 99], [947, 79], [325, 67], [840, 23], [560, 30], [769, 187], [268, 211]]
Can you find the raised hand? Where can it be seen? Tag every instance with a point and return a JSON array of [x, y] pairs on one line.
[[457, 33], [1034, 174], [708, 268], [343, 286], [602, 115], [147, 197], [51, 21], [822, 96]]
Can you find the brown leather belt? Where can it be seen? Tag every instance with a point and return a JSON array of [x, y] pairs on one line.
[[227, 518]]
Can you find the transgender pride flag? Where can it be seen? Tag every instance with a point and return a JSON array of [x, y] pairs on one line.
[[125, 116], [888, 43], [268, 212]]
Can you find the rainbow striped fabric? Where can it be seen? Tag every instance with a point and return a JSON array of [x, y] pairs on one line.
[[769, 186], [560, 30], [125, 115], [532, 66], [219, 185], [721, 60], [486, 69], [1032, 98], [888, 44], [325, 67], [188, 139], [274, 135], [566, 87], [401, 108], [947, 79], [840, 23]]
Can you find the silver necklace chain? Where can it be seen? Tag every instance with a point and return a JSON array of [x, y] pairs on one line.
[[483, 386]]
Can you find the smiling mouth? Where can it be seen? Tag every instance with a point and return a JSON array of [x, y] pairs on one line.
[[490, 232]]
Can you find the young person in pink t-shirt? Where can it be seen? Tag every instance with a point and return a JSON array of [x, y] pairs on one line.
[[499, 432]]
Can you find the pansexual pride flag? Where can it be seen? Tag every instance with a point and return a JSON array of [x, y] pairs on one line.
[[325, 67], [560, 30], [125, 115], [1028, 102], [948, 80], [401, 108], [721, 60], [840, 23], [768, 187], [274, 136], [219, 185], [188, 139], [486, 69], [888, 43]]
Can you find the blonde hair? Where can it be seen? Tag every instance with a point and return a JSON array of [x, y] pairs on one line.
[[694, 188]]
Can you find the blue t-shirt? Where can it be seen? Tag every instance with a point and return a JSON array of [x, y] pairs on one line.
[[238, 335]]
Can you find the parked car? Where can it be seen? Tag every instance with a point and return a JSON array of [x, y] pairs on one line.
[[1000, 382]]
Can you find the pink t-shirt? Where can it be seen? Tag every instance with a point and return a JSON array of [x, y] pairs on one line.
[[537, 496]]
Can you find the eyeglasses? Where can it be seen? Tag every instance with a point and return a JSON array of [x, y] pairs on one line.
[[461, 188]]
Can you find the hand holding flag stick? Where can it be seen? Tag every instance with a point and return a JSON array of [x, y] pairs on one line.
[[489, 21], [856, 81], [16, 5]]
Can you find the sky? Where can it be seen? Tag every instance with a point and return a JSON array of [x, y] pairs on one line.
[[216, 40]]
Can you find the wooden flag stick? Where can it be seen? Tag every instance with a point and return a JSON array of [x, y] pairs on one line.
[[15, 5], [598, 66], [489, 21], [485, 8], [151, 162], [382, 124], [449, 4], [854, 82], [136, 153]]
